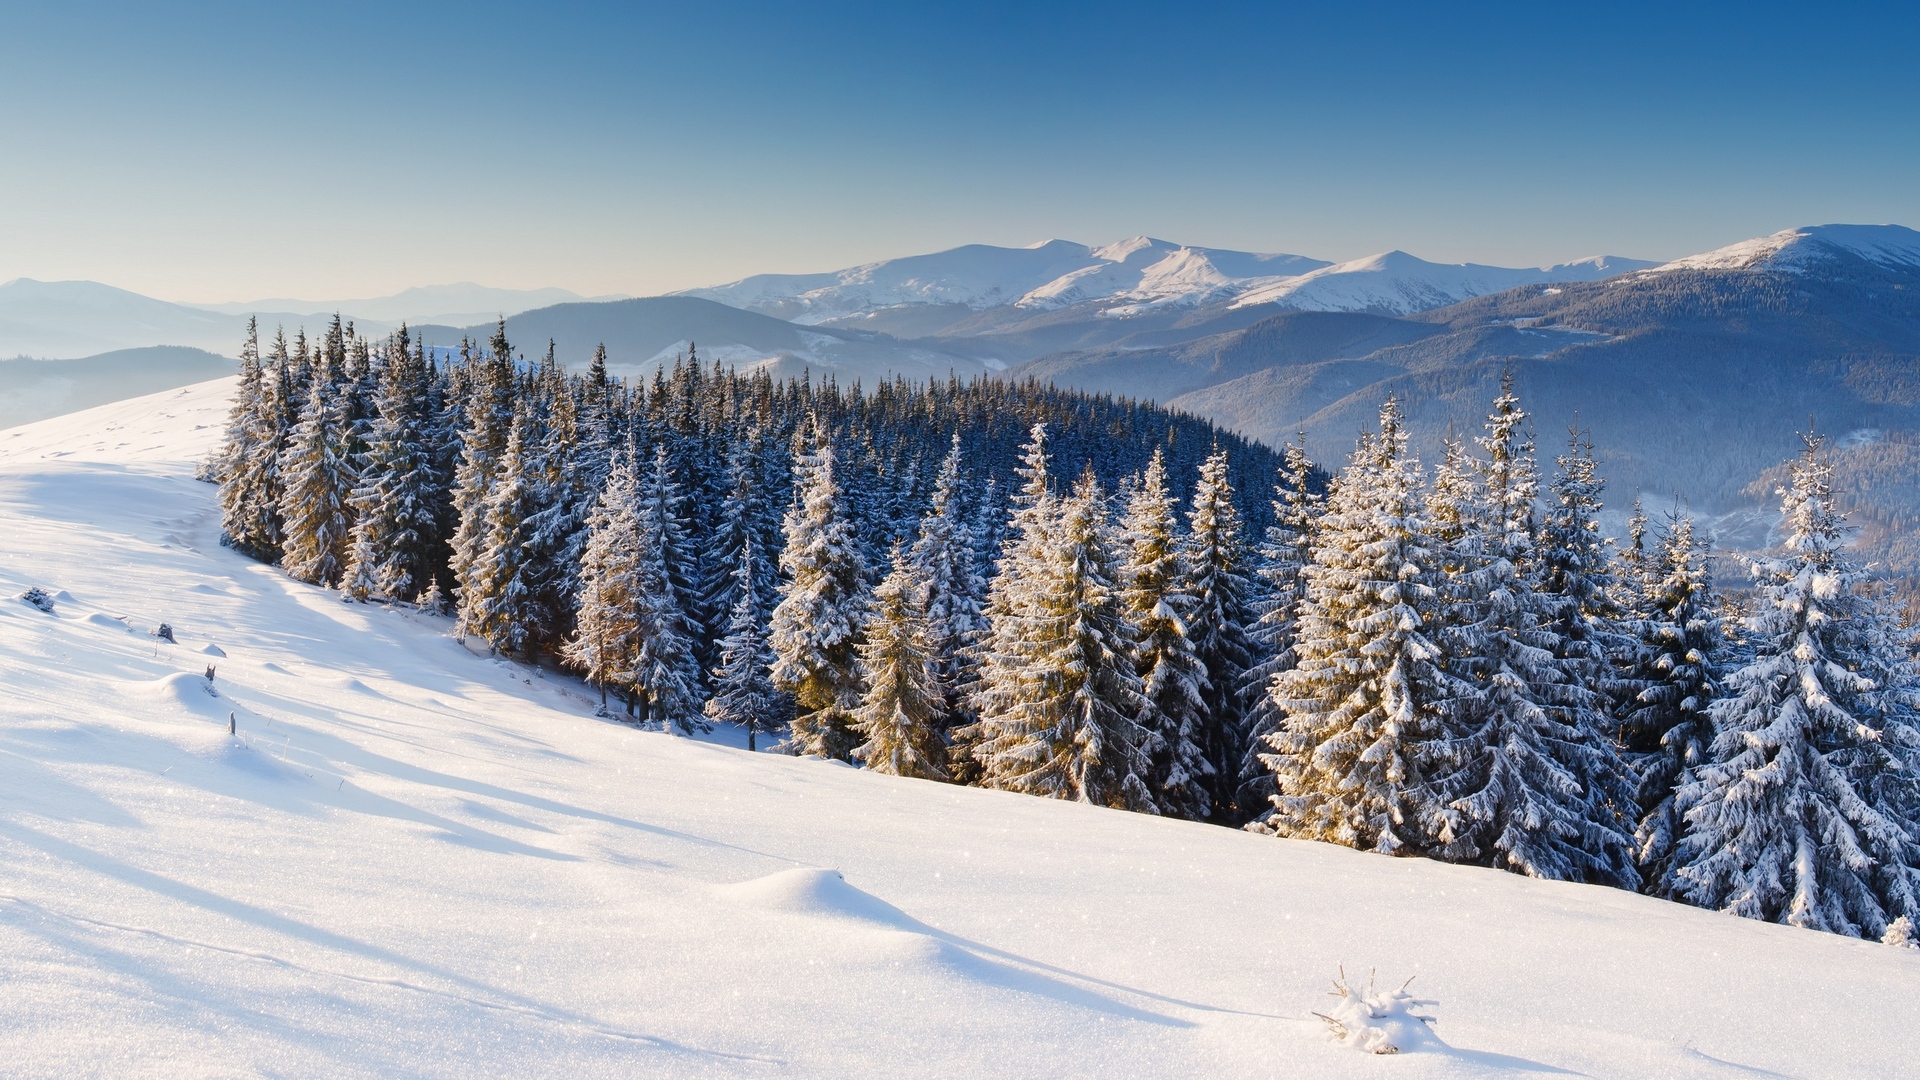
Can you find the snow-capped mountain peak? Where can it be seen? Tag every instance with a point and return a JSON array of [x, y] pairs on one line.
[[1396, 283], [1794, 249]]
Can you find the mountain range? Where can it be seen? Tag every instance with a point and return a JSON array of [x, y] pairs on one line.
[[1693, 376]]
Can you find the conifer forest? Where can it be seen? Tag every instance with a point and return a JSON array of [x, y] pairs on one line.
[[1010, 585]]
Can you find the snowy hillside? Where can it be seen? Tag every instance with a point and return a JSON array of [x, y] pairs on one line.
[[1396, 283], [414, 860], [1138, 275], [1888, 245]]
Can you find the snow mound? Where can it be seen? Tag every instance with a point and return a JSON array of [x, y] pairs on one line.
[[107, 621], [817, 892], [186, 692]]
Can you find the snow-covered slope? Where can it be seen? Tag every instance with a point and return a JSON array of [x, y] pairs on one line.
[[1794, 249], [1055, 273], [1138, 275], [412, 860], [1396, 283]]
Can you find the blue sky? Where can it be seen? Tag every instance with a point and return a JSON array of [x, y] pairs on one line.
[[232, 151]]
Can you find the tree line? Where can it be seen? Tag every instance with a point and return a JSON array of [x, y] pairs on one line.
[[1032, 589]]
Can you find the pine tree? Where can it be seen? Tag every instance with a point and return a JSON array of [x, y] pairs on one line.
[[1802, 815], [743, 691], [823, 608], [246, 466], [945, 560], [499, 599], [489, 417], [1154, 597], [1668, 729], [1537, 786], [1059, 713], [606, 640], [666, 672], [1369, 704], [395, 535], [902, 715], [1284, 554], [1215, 559], [319, 481]]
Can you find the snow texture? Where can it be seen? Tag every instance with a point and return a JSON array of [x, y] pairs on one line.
[[1893, 246], [411, 860]]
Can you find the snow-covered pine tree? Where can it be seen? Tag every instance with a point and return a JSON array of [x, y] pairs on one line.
[[396, 530], [499, 600], [606, 639], [816, 627], [246, 463], [1536, 784], [1368, 703], [319, 480], [945, 561], [666, 674], [1283, 555], [488, 412], [1174, 681], [1802, 815], [1215, 557], [1059, 716], [743, 691], [1667, 729], [902, 714]]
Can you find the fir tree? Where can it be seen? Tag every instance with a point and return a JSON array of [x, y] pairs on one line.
[[1537, 786], [1059, 712], [247, 464], [606, 640], [1154, 580], [1284, 554], [945, 561], [395, 536], [666, 675], [743, 691], [1802, 815], [903, 713], [823, 607], [499, 599], [319, 480], [1668, 728], [1215, 559], [1369, 704]]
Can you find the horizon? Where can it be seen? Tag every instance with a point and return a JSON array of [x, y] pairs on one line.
[[604, 150]]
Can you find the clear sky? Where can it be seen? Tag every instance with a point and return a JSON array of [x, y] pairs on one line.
[[204, 151]]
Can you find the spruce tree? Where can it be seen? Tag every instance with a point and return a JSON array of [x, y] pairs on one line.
[[247, 462], [499, 600], [666, 672], [1059, 714], [1154, 579], [1803, 815], [1667, 729], [1537, 785], [395, 536], [743, 690], [902, 714], [1215, 559], [1369, 704], [606, 640], [319, 480], [1283, 556], [945, 561], [823, 607]]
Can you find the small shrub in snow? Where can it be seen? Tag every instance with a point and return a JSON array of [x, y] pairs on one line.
[[37, 597], [1900, 934], [1377, 1021]]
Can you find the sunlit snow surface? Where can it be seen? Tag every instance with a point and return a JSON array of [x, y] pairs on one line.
[[413, 860]]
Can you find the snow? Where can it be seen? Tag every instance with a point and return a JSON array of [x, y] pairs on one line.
[[1136, 275], [1397, 283], [1792, 249], [414, 860]]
